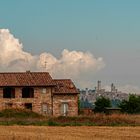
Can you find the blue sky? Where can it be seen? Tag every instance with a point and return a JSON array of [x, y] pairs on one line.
[[106, 28]]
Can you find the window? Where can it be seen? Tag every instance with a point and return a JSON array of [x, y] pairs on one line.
[[64, 109], [44, 108], [8, 92], [28, 106], [44, 90], [27, 92]]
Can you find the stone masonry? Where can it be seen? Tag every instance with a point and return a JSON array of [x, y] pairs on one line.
[[60, 98]]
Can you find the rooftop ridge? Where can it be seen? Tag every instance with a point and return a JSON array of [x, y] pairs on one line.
[[22, 72], [61, 79], [25, 79]]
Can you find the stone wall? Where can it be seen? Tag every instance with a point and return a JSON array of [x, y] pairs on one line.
[[70, 100], [41, 99], [19, 102]]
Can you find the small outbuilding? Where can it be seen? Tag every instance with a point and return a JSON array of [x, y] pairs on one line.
[[110, 110]]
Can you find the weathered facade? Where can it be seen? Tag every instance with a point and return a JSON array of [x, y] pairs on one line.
[[38, 92]]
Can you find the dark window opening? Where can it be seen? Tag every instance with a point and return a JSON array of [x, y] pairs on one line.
[[28, 106], [27, 92], [8, 92]]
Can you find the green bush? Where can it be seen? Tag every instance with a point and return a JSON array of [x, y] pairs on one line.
[[52, 123], [18, 113], [101, 103], [131, 106]]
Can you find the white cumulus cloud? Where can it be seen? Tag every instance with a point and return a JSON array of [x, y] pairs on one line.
[[12, 56], [71, 64]]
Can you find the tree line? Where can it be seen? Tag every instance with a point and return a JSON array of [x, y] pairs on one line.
[[131, 106]]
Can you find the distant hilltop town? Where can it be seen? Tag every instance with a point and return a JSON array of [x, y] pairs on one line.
[[89, 96]]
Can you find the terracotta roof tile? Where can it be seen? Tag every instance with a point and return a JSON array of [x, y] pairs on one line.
[[64, 86], [26, 79]]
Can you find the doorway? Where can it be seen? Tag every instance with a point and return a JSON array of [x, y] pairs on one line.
[[64, 109]]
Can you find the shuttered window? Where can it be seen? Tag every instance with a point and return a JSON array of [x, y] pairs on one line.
[[64, 109], [44, 108]]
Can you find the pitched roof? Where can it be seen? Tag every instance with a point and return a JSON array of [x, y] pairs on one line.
[[65, 86], [62, 86], [26, 79]]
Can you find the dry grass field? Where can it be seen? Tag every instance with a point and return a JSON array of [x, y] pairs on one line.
[[69, 133]]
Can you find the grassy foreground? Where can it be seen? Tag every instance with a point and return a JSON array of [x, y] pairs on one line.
[[69, 133], [24, 117]]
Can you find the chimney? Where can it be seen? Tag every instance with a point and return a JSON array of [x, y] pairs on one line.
[[27, 71]]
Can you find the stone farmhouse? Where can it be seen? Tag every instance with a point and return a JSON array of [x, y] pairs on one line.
[[37, 91]]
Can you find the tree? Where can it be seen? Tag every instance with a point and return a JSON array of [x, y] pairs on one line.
[[131, 106], [101, 104], [79, 105]]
